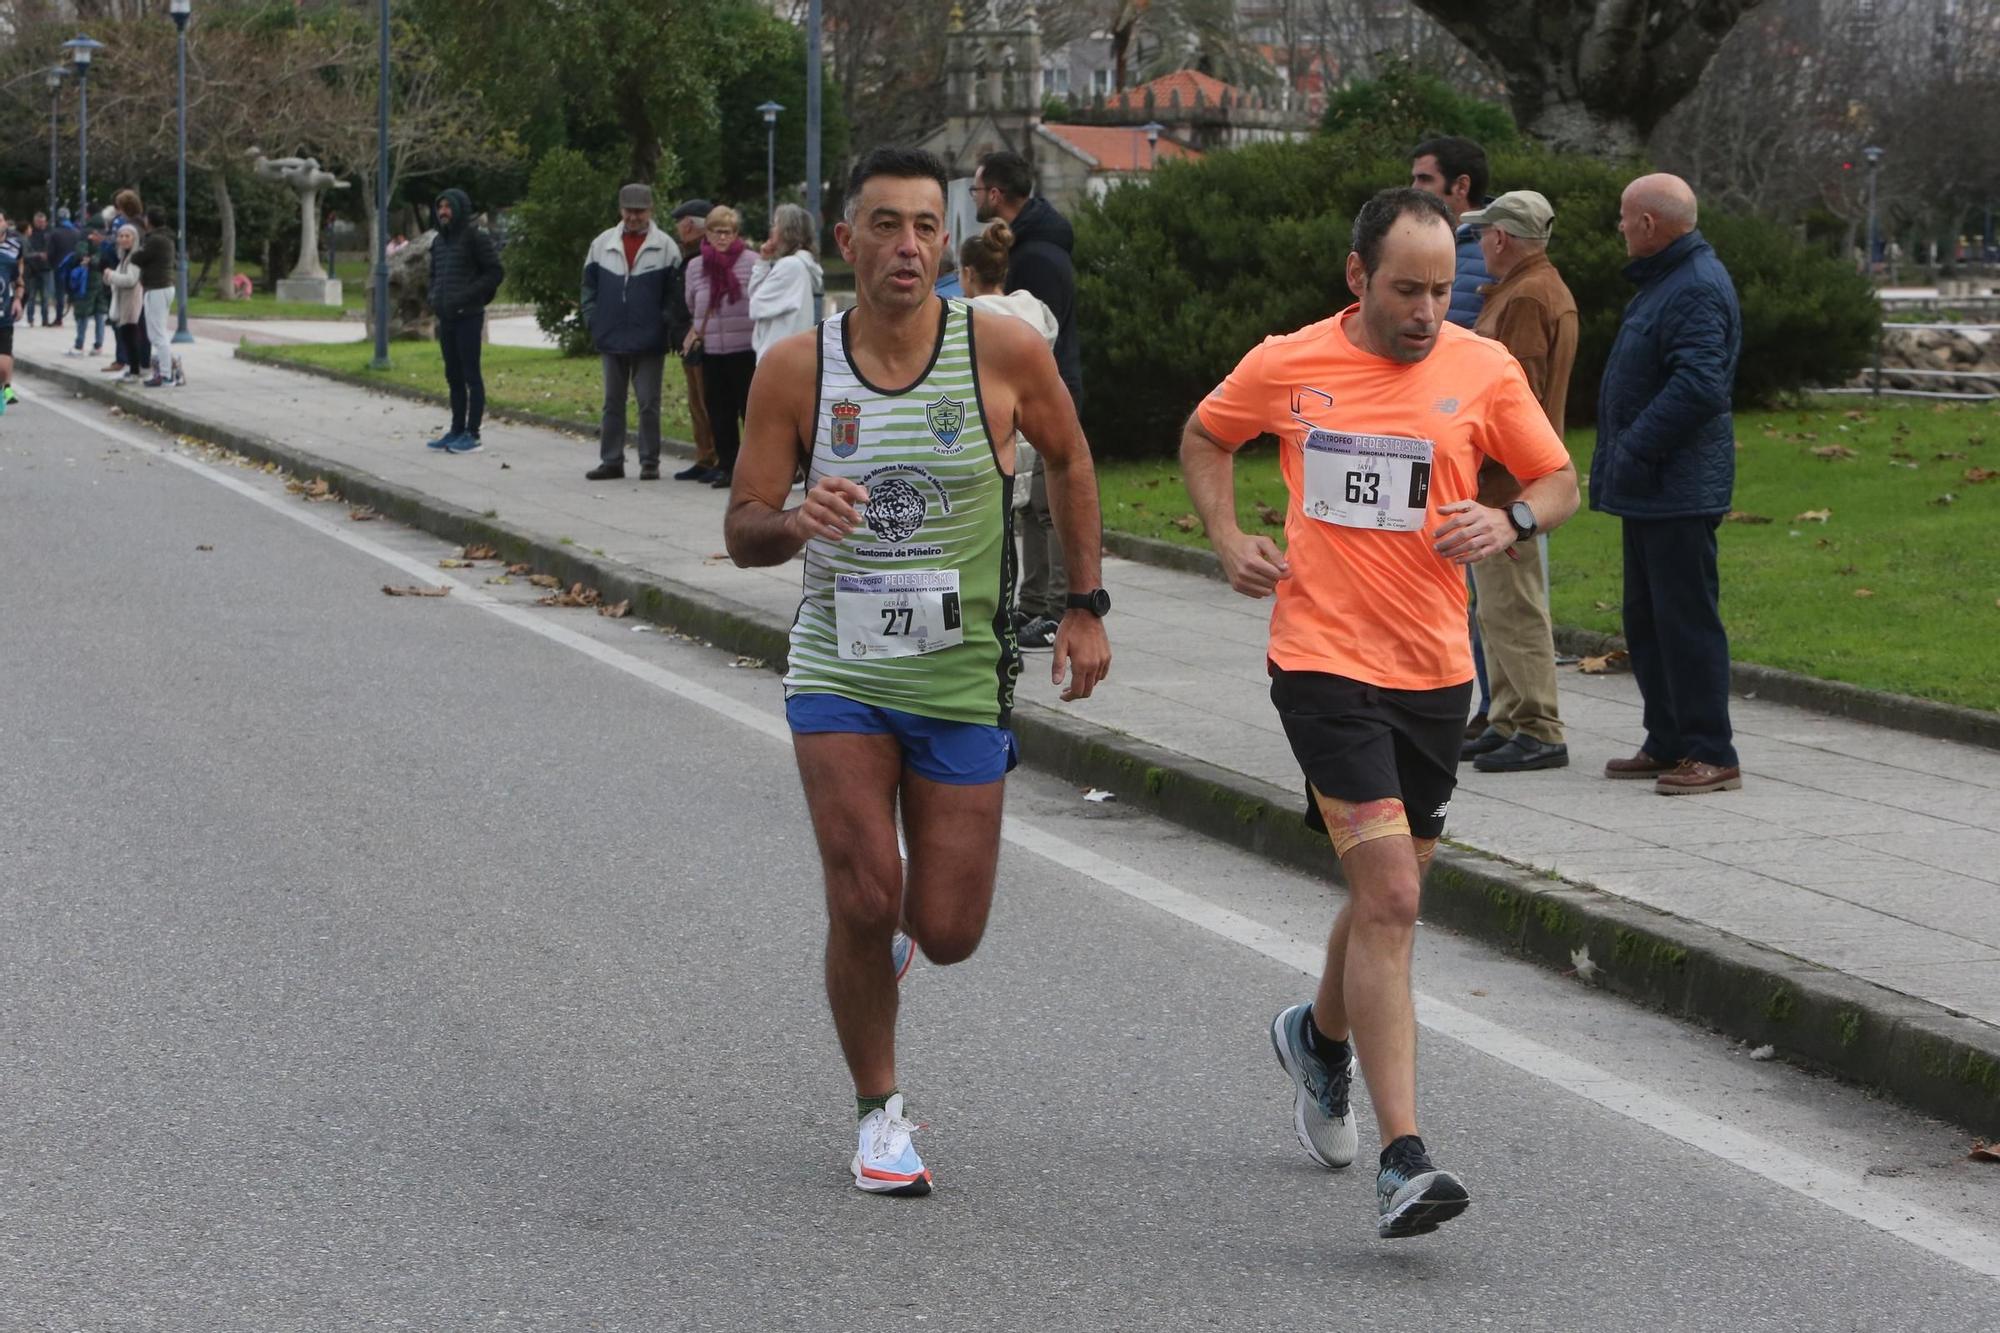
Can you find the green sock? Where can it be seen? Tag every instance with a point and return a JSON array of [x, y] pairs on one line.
[[864, 1106]]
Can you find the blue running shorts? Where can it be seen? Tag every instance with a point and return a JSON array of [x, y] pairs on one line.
[[963, 754]]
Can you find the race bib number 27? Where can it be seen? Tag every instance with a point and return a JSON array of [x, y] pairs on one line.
[[1367, 481], [904, 614]]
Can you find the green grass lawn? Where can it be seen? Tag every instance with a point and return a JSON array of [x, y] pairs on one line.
[[1897, 590], [520, 379], [352, 270]]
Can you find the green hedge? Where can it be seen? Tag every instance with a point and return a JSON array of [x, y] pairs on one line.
[[1176, 279]]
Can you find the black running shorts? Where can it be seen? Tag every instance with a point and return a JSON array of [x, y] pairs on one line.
[[1358, 742], [6, 340]]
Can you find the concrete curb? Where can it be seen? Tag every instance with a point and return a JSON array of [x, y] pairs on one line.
[[1937, 1061], [1901, 712]]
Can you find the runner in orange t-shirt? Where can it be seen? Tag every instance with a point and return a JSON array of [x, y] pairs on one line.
[[1383, 414]]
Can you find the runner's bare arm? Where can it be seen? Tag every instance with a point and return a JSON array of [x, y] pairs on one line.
[[1014, 354], [1473, 532], [1254, 564], [759, 529]]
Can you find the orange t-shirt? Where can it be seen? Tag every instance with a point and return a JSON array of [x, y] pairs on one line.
[[1365, 600]]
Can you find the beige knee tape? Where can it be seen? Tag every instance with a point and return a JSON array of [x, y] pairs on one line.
[[1351, 823]]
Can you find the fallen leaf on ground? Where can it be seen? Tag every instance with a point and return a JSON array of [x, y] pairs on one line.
[[481, 552], [1604, 606], [1813, 516], [501, 579], [575, 595], [1604, 663], [506, 467], [749, 663], [1982, 1151], [1834, 452], [1272, 516], [615, 611], [1187, 522], [1585, 968], [1098, 796], [1945, 456], [1738, 516], [1945, 499], [449, 563], [204, 548], [520, 569], [544, 580], [362, 514], [395, 591], [1979, 475], [1864, 592]]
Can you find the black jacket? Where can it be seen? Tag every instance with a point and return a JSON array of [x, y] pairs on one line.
[[465, 266], [680, 319], [1666, 446], [155, 260], [1041, 264]]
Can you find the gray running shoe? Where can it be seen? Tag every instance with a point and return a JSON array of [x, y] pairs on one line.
[[1412, 1196], [1321, 1115]]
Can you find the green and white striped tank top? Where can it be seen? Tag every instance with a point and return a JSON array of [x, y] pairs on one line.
[[912, 610]]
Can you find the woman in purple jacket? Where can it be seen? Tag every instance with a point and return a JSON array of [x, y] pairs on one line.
[[718, 293]]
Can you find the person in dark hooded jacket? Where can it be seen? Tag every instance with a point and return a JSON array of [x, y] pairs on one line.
[[1040, 264], [465, 275]]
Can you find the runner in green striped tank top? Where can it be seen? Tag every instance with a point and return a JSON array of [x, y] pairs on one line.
[[900, 682]]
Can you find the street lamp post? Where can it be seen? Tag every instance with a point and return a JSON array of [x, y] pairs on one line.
[[181, 9], [381, 361], [54, 78], [80, 50], [1152, 129], [770, 110], [1874, 156], [815, 47]]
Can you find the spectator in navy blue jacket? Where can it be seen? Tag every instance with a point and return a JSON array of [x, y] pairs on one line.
[[1454, 169], [629, 283], [1665, 464], [465, 275]]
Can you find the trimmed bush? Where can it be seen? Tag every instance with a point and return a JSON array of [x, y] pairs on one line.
[[1178, 278]]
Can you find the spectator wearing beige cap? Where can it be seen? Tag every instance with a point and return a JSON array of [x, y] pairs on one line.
[[1530, 311], [628, 290]]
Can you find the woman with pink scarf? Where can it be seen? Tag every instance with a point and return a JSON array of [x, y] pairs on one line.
[[718, 297]]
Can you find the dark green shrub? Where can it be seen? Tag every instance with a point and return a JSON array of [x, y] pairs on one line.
[[1177, 279], [1405, 107]]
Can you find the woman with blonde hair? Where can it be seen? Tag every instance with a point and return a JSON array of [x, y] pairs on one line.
[[785, 280], [719, 300], [128, 310]]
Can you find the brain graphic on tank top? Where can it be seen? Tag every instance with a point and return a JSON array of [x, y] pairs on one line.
[[895, 510]]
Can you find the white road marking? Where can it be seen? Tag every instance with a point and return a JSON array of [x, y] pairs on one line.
[[1834, 1187]]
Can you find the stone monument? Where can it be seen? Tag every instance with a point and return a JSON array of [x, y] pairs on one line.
[[308, 281]]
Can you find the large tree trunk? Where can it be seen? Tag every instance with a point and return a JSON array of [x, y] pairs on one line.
[[1592, 76], [225, 207]]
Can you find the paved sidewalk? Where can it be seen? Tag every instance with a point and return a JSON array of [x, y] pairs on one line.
[[1867, 851]]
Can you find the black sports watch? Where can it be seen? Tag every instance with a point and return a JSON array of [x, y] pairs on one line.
[[1523, 519], [1096, 601]]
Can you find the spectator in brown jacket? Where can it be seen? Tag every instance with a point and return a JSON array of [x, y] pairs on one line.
[[1529, 310]]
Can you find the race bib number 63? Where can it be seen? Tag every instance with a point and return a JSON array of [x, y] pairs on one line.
[[1367, 481]]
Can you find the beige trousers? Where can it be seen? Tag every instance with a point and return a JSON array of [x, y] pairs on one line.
[[1520, 645]]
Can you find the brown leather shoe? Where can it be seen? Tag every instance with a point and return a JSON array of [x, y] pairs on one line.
[[1640, 765], [1691, 777]]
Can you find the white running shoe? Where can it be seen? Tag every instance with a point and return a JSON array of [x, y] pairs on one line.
[[886, 1162], [1322, 1110]]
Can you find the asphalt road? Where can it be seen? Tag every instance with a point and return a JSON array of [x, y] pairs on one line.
[[448, 963]]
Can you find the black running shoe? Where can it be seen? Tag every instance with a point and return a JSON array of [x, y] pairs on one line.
[[1412, 1196]]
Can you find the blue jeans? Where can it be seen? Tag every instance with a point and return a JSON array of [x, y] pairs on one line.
[[82, 320]]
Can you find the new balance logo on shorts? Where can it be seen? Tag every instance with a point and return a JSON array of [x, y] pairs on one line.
[[1439, 812]]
